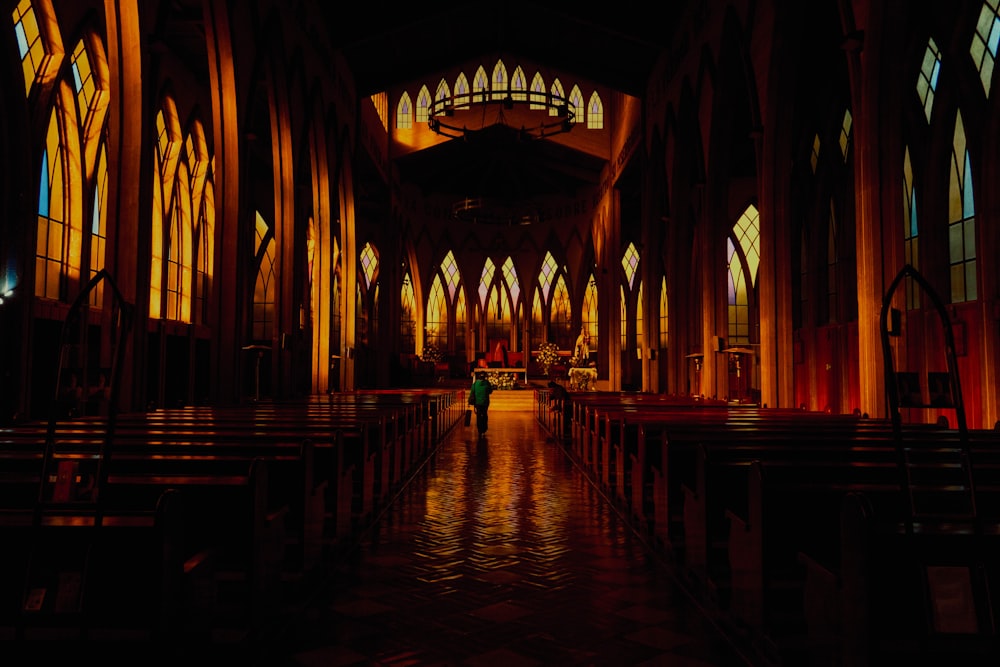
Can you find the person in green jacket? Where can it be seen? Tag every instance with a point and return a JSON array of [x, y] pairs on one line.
[[479, 399]]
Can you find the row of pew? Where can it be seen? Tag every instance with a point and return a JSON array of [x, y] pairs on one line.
[[812, 538], [191, 525]]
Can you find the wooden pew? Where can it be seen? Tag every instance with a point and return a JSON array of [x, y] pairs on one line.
[[73, 573]]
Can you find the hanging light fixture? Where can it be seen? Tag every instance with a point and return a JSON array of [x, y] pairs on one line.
[[535, 115]]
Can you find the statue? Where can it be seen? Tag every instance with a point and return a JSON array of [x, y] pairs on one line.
[[582, 348]]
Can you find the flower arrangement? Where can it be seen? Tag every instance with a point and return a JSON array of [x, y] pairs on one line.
[[580, 381], [432, 353], [575, 361], [501, 380], [547, 355]]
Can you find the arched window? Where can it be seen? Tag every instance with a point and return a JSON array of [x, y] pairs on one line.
[[407, 316], [423, 104], [30, 44], [588, 313], [264, 285], [961, 220], [927, 80], [538, 94], [984, 42], [71, 228], [499, 85], [446, 306], [744, 259], [368, 290], [404, 112], [480, 85], [558, 97], [595, 112], [461, 95], [576, 103], [561, 318], [519, 84]]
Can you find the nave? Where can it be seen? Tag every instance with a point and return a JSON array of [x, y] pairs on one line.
[[501, 552]]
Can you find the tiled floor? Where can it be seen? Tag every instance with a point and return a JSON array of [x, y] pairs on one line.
[[500, 552]]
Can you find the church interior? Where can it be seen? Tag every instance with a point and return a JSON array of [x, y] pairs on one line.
[[702, 253]]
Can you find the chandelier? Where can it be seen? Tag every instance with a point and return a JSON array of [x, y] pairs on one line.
[[534, 114]]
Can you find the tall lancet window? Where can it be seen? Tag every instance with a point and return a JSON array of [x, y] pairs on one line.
[[264, 286], [30, 44], [744, 259], [407, 316], [588, 312], [984, 42], [961, 220]]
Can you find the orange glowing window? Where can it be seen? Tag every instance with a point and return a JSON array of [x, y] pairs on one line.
[[30, 45]]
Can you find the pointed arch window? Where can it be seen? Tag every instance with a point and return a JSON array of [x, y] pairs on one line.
[[576, 103], [368, 291], [369, 264], [911, 231], [442, 92], [547, 274], [461, 91], [561, 318], [71, 227], [511, 280], [99, 223], [445, 304], [52, 222], [451, 274], [178, 244], [961, 220], [927, 80], [480, 85], [485, 280], [984, 42], [437, 315], [595, 112], [205, 241], [264, 285], [744, 258], [407, 315], [537, 318], [30, 45], [845, 133], [423, 104], [588, 313], [558, 95], [498, 313], [630, 264], [404, 112], [519, 84], [538, 94], [499, 86]]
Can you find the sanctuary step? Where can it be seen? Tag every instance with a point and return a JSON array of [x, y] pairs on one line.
[[512, 400]]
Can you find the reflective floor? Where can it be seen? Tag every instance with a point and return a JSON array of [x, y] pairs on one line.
[[500, 552]]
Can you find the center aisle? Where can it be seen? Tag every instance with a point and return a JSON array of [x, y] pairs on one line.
[[500, 552]]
